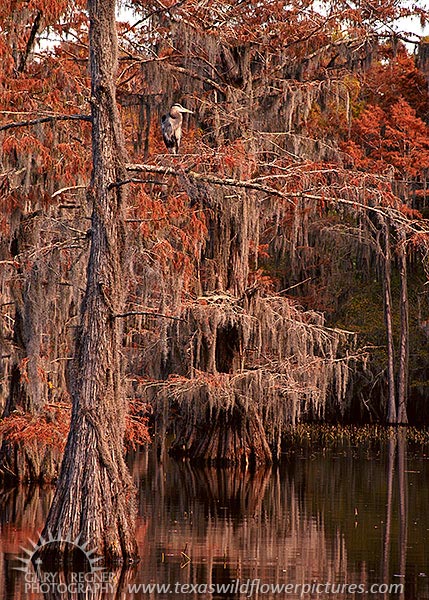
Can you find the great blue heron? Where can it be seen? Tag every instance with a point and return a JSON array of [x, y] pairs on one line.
[[171, 126]]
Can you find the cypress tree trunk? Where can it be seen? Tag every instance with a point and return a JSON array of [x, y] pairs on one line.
[[404, 335], [391, 406], [95, 495], [32, 460], [235, 437]]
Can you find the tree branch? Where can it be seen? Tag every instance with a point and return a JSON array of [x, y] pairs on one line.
[[224, 181], [420, 225], [67, 189], [177, 68], [30, 42], [45, 120]]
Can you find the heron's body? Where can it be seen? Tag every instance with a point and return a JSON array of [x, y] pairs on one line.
[[171, 126]]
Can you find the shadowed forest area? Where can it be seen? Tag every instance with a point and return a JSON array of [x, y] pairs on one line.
[[272, 273]]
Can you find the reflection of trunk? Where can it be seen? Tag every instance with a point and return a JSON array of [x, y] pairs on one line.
[[399, 441], [95, 497], [391, 405], [389, 501], [403, 503], [241, 491], [22, 509], [404, 336], [29, 461]]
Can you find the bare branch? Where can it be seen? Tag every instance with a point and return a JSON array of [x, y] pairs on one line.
[[176, 68], [67, 189], [224, 181], [13, 172], [420, 225], [45, 120], [30, 41]]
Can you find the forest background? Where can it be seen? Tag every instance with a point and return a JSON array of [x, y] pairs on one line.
[[274, 272]]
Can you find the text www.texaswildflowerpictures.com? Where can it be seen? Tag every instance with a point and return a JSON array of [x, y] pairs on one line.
[[255, 587]]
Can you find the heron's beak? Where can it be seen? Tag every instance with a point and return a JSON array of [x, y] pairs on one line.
[[186, 110]]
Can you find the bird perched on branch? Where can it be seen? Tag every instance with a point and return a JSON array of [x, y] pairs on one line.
[[171, 126]]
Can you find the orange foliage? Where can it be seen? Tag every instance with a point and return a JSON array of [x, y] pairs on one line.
[[386, 136], [47, 429], [51, 427], [172, 229], [396, 76], [390, 138], [136, 431], [39, 158]]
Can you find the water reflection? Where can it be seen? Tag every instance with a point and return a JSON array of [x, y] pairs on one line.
[[338, 517]]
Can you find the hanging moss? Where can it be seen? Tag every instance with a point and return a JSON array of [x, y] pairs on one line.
[[284, 364]]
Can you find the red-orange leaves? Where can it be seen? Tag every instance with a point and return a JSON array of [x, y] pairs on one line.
[[136, 432], [51, 427], [173, 231], [48, 429], [382, 139]]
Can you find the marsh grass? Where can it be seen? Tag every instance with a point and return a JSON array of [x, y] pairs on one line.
[[317, 437]]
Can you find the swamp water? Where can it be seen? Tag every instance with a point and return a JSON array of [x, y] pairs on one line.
[[345, 520]]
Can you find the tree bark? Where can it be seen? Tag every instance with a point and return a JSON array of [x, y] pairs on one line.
[[95, 497], [391, 405], [404, 334], [29, 460]]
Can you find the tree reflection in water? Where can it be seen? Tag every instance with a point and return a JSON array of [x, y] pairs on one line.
[[338, 516]]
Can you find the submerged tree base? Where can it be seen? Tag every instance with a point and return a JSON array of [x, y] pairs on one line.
[[33, 444], [29, 462], [228, 437]]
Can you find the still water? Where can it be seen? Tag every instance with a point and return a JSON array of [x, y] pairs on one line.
[[321, 522]]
